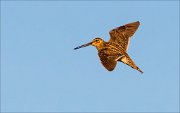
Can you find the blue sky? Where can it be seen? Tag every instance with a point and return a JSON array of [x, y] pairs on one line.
[[41, 72]]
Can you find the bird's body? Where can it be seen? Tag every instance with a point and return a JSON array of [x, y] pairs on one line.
[[116, 48]]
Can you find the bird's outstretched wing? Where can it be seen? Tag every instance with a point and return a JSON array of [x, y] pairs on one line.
[[122, 34]]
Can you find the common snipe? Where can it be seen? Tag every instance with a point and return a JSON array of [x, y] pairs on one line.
[[116, 48]]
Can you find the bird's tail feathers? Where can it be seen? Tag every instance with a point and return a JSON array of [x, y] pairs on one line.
[[127, 60]]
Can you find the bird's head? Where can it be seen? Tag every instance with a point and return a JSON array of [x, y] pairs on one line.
[[97, 42]]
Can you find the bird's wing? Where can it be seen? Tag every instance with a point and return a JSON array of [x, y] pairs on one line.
[[122, 34], [107, 61]]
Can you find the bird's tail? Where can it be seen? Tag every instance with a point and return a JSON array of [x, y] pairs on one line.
[[127, 60]]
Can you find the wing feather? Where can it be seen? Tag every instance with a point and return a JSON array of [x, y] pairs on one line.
[[107, 61], [122, 34]]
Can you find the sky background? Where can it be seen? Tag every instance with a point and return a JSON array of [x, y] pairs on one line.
[[40, 71]]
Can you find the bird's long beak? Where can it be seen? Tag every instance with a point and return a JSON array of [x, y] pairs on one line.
[[84, 45]]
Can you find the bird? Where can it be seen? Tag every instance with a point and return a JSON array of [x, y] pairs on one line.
[[115, 50]]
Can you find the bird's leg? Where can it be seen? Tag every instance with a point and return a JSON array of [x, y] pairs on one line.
[[115, 57], [119, 57]]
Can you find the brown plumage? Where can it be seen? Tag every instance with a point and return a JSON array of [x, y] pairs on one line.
[[116, 48]]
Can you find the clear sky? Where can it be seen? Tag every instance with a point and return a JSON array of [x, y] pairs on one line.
[[41, 72]]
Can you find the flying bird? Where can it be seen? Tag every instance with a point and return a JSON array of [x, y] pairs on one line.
[[115, 50]]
